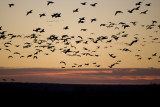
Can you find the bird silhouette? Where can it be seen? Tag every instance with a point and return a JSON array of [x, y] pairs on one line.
[[83, 29], [102, 25], [84, 3], [86, 64], [153, 22], [67, 51], [42, 31], [139, 3], [76, 10], [134, 23], [29, 12], [63, 62], [66, 27], [144, 12], [3, 32], [94, 4], [29, 56], [35, 57], [12, 80], [37, 29], [81, 20], [21, 56], [49, 2], [125, 49], [97, 65], [137, 8], [43, 14], [10, 57], [155, 54], [11, 5], [125, 26], [115, 37], [92, 20], [17, 53], [112, 55], [111, 66], [118, 12], [8, 50], [4, 80], [149, 58], [133, 42], [56, 15], [131, 11], [149, 4]]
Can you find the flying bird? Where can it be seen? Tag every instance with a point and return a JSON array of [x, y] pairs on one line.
[[94, 4], [149, 58], [66, 27], [76, 10], [83, 29], [67, 51], [92, 20], [12, 80], [149, 4], [131, 11], [134, 23], [137, 8], [144, 12], [63, 62], [56, 15], [102, 25], [139, 3], [43, 14], [21, 56], [125, 49], [84, 3], [29, 12], [125, 26], [4, 79], [49, 2], [42, 31], [118, 12], [35, 57], [10, 5], [111, 66], [10, 57], [37, 29], [98, 65], [155, 54], [133, 42], [153, 22], [29, 56], [112, 55]]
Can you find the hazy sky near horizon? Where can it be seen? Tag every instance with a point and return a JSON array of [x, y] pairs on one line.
[[14, 21], [81, 76]]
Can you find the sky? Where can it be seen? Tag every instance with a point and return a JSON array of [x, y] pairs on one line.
[[105, 45]]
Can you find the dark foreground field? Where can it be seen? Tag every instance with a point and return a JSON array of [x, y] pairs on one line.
[[80, 93]]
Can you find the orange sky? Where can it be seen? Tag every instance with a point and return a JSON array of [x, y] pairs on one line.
[[14, 21]]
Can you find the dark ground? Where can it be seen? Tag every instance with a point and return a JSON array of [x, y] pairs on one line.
[[61, 93]]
